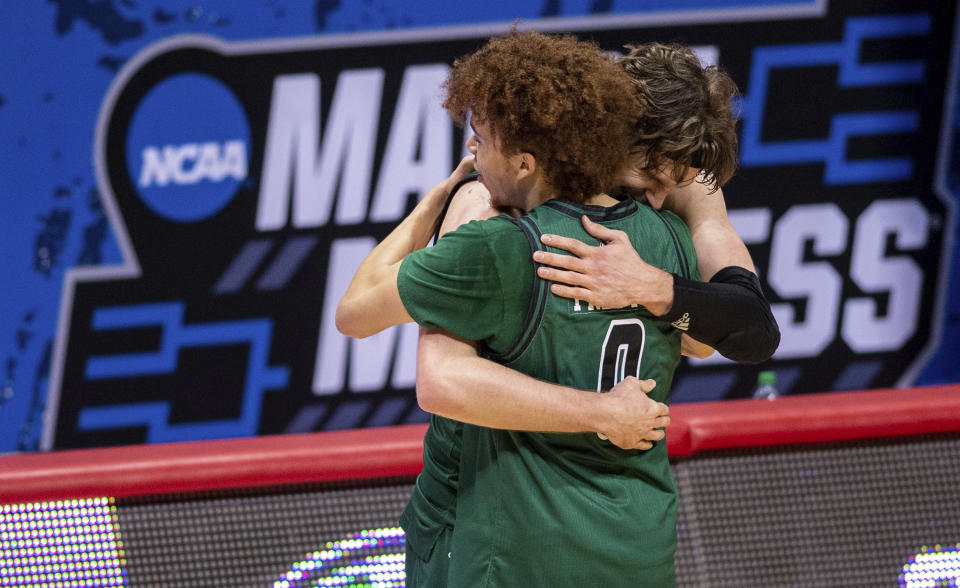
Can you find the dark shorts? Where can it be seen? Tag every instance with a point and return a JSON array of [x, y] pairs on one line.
[[432, 571]]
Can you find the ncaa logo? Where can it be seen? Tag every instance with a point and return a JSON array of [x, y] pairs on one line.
[[187, 147]]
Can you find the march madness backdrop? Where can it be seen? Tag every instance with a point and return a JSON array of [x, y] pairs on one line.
[[188, 187]]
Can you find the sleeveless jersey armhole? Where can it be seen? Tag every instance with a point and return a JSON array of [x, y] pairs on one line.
[[538, 301]]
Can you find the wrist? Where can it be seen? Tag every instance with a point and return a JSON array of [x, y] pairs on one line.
[[594, 415], [661, 297], [436, 197]]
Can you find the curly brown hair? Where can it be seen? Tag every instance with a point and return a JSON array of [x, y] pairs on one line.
[[689, 117], [556, 97]]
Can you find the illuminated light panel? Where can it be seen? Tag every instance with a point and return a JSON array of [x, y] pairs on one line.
[[61, 543], [937, 566], [365, 560]]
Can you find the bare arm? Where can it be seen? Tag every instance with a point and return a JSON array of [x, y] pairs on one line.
[[471, 202], [615, 275], [611, 276], [744, 329], [729, 313], [690, 347], [454, 382], [717, 243], [372, 302]]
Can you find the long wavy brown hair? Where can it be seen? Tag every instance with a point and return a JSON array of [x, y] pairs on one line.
[[689, 117], [557, 97]]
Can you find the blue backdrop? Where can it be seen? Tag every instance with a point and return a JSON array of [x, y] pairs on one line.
[[60, 58]]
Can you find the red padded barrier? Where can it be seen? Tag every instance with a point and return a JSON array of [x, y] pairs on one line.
[[813, 418], [210, 465], [396, 451]]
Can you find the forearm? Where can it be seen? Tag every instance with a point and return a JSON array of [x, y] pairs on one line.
[[717, 243], [690, 347], [729, 313], [452, 381], [371, 302]]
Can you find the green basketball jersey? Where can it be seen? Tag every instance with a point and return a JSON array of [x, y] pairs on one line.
[[538, 509]]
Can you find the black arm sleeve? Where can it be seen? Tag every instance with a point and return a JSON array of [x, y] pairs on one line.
[[729, 313]]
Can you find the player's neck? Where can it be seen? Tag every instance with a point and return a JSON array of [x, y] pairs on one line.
[[601, 200], [537, 193]]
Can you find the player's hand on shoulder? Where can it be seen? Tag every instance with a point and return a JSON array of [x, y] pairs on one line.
[[609, 276]]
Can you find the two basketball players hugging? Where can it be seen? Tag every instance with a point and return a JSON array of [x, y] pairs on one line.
[[598, 210]]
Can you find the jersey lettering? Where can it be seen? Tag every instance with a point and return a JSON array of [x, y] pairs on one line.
[[622, 352]]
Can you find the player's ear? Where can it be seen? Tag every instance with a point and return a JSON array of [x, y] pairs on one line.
[[527, 165]]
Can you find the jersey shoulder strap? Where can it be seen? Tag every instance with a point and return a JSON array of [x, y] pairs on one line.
[[538, 301], [472, 176]]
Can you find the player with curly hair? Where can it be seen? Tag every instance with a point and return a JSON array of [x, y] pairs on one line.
[[691, 157], [553, 122]]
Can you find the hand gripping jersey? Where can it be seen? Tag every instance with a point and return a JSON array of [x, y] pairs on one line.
[[535, 509]]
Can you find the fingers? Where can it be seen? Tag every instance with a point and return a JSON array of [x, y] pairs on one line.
[[464, 168], [579, 248], [641, 444], [571, 292], [574, 246], [659, 433], [466, 165], [558, 260], [601, 232], [563, 277], [646, 386], [640, 439]]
